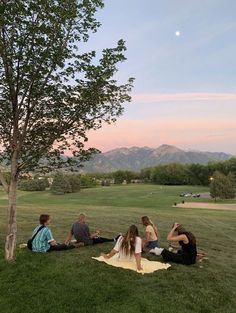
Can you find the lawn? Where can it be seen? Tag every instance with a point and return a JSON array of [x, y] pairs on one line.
[[70, 281]]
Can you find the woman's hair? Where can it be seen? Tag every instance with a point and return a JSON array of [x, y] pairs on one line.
[[128, 243], [181, 231], [44, 218], [146, 221]]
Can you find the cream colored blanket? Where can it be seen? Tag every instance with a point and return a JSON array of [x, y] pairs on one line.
[[148, 266]]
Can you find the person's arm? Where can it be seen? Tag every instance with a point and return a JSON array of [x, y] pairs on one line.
[[147, 238], [171, 236], [115, 250], [138, 261], [94, 235], [110, 254], [50, 238], [68, 238]]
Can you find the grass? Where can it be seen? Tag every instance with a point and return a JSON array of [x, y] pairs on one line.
[[70, 281]]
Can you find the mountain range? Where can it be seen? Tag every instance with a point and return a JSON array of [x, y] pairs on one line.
[[137, 158]]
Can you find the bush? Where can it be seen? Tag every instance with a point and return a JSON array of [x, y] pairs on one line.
[[74, 181], [32, 185], [60, 184], [87, 181], [222, 186]]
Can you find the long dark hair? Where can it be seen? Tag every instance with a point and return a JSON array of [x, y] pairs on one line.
[[128, 243], [181, 231]]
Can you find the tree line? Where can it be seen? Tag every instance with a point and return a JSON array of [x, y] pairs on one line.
[[171, 174]]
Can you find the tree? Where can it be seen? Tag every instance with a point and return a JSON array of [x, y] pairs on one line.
[[60, 184], [170, 174], [222, 186], [87, 181], [74, 181], [50, 94]]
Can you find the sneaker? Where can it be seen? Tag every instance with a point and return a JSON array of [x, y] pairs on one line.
[[152, 251], [156, 251]]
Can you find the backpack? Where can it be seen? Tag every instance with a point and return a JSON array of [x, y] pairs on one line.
[[30, 241]]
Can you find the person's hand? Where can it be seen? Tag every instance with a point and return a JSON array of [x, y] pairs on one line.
[[97, 232], [105, 255], [176, 225]]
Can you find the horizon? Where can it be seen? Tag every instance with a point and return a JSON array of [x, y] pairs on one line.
[[182, 57]]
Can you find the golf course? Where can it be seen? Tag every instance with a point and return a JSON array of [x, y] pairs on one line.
[[71, 281]]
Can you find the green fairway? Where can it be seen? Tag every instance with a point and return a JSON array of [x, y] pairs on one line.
[[70, 281]]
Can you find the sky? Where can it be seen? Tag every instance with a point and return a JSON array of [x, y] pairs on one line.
[[182, 55]]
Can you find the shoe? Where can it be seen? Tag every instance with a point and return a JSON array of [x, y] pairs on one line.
[[156, 251], [152, 251]]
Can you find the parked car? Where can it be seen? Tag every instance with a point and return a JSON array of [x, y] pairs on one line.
[[186, 194]]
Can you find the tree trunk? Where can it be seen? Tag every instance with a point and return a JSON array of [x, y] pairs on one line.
[[10, 244]]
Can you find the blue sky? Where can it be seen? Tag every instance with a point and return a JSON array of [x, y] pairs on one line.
[[185, 88]]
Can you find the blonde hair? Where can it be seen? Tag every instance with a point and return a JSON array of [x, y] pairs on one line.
[[146, 221], [81, 216]]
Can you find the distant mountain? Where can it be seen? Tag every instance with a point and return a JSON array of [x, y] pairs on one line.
[[136, 158]]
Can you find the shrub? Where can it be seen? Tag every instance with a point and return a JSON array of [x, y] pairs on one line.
[[32, 185], [222, 186], [87, 181], [60, 184], [74, 181]]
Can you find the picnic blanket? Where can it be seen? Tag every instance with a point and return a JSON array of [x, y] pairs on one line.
[[148, 266]]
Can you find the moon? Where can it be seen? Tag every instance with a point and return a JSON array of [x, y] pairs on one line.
[[177, 33]]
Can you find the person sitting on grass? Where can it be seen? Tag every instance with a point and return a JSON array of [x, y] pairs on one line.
[[81, 233], [128, 247], [44, 241], [151, 240], [187, 255]]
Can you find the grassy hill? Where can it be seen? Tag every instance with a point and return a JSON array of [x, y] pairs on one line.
[[70, 281]]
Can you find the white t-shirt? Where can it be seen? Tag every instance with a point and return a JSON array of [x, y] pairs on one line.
[[121, 254]]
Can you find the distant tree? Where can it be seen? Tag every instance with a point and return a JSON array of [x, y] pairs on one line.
[[129, 175], [170, 174], [119, 177], [87, 181], [145, 174], [60, 184], [75, 183], [50, 94], [222, 186]]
